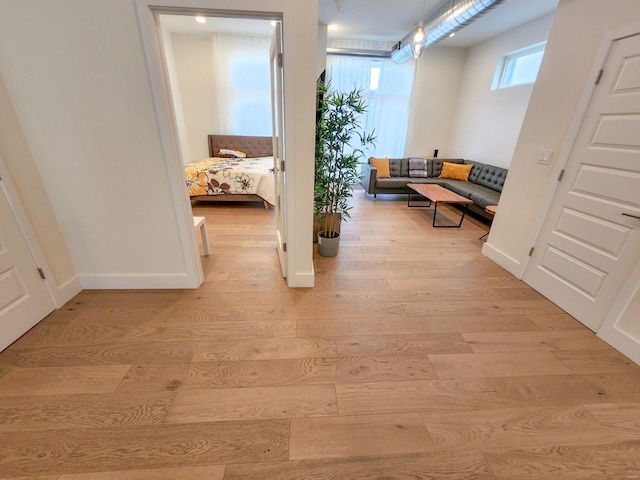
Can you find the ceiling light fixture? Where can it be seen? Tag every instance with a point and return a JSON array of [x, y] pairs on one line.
[[200, 19], [332, 27], [447, 17], [416, 50], [419, 35], [340, 4]]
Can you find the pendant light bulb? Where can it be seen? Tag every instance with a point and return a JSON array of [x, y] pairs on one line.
[[419, 35]]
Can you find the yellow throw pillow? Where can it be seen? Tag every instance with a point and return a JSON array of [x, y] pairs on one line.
[[382, 164], [455, 171]]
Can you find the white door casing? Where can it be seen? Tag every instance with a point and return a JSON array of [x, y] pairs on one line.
[[277, 122], [588, 245], [24, 296]]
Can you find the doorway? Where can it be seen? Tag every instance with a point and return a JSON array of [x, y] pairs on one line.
[[300, 40], [223, 84]]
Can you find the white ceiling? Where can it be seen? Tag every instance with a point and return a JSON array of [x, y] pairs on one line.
[[391, 20], [187, 24], [382, 20]]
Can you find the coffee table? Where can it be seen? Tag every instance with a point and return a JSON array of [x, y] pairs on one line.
[[437, 194]]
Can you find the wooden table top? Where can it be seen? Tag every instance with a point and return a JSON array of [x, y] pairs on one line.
[[438, 194], [491, 209]]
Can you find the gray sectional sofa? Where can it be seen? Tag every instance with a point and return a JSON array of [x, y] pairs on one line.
[[483, 187]]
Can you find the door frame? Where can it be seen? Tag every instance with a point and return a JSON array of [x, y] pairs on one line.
[[564, 155], [28, 233], [298, 125]]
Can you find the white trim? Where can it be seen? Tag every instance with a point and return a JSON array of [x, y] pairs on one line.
[[137, 281], [301, 280], [510, 264], [30, 237], [151, 34], [67, 291]]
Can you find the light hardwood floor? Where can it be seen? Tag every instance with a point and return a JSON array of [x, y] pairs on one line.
[[413, 357]]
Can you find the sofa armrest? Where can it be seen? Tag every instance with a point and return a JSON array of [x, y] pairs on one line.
[[368, 181]]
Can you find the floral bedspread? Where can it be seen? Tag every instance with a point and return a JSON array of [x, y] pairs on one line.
[[224, 176]]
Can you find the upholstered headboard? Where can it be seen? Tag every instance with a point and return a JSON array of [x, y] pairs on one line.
[[252, 146]]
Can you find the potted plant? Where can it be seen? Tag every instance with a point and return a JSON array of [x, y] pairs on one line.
[[339, 143]]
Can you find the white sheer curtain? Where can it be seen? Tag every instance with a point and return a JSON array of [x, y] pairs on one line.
[[388, 105], [241, 84]]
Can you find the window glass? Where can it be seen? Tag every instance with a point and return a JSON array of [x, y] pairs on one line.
[[520, 67]]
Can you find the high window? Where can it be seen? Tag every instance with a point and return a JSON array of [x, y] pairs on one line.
[[519, 67]]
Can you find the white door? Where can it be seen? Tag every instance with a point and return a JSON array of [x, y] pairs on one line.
[[24, 298], [277, 109], [621, 327], [590, 241]]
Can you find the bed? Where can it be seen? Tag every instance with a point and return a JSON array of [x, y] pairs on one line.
[[231, 178]]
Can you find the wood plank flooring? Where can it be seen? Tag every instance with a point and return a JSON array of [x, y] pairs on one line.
[[413, 357]]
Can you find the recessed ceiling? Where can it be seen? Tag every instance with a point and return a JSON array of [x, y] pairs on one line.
[[188, 24], [391, 20]]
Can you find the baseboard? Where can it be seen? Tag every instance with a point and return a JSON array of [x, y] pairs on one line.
[[67, 291], [119, 282], [505, 261], [301, 280]]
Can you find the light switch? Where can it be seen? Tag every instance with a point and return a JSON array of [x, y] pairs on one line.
[[544, 157]]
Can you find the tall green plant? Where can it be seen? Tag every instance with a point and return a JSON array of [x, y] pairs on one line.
[[339, 142]]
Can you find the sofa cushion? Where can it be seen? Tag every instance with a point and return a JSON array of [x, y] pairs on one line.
[[436, 165], [459, 186], [492, 177], [455, 171], [418, 167], [486, 197], [393, 182], [399, 167], [475, 171], [382, 165], [481, 196]]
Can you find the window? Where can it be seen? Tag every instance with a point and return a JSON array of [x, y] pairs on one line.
[[386, 88], [519, 67], [374, 82]]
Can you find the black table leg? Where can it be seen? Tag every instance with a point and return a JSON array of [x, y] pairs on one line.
[[417, 206], [435, 211]]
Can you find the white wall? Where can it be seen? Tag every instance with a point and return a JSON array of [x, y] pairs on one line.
[[487, 122], [434, 99], [575, 38], [175, 96], [76, 74], [321, 59], [193, 59], [61, 272]]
